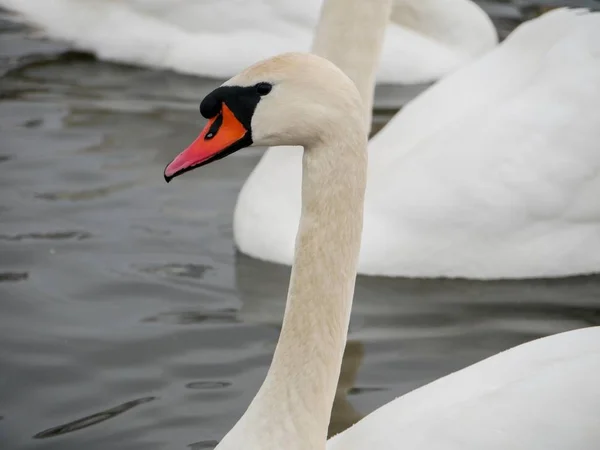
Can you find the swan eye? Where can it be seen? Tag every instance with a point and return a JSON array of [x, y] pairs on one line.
[[263, 88]]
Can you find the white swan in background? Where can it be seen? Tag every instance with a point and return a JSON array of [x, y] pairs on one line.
[[492, 173], [538, 396], [217, 38]]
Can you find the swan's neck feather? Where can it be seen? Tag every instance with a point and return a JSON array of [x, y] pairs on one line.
[[293, 407], [350, 34]]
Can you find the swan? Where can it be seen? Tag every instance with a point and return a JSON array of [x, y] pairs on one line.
[[491, 173], [540, 395], [217, 38]]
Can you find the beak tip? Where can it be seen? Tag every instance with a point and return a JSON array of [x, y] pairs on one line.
[[168, 178]]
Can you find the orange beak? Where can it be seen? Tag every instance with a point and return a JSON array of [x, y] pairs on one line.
[[221, 136]]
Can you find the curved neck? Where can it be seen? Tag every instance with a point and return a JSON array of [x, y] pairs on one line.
[[350, 34], [293, 406], [459, 24]]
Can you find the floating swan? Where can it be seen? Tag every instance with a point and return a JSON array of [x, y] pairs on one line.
[[494, 172], [538, 396], [217, 38]]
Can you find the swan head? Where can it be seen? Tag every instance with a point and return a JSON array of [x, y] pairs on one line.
[[290, 99]]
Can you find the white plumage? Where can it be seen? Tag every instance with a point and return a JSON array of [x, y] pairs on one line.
[[494, 172]]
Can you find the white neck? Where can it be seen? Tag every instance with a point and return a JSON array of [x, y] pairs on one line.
[[350, 34], [459, 24], [293, 407]]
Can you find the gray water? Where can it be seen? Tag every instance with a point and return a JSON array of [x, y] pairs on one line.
[[128, 320]]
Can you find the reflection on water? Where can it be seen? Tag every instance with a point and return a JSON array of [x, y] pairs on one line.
[[343, 414], [115, 286]]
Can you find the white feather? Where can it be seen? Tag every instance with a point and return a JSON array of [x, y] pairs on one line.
[[218, 38], [542, 395]]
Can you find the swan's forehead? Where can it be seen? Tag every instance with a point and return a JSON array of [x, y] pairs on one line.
[[283, 67]]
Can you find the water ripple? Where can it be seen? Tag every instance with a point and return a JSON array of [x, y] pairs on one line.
[[208, 385], [86, 194], [53, 235], [195, 271], [93, 419], [357, 390], [203, 445], [13, 276], [194, 317]]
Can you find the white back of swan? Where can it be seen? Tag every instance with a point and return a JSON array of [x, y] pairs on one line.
[[218, 38], [491, 173]]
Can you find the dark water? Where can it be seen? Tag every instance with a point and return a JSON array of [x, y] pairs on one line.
[[127, 320]]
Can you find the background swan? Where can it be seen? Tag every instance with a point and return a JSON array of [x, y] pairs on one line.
[[218, 38], [494, 172], [539, 395]]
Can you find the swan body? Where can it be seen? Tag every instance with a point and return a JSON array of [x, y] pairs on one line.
[[217, 38], [493, 172], [538, 396]]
